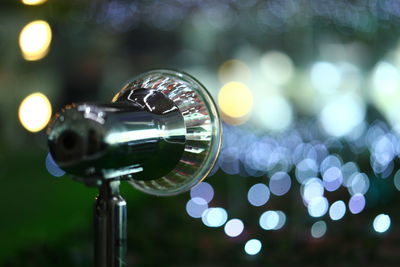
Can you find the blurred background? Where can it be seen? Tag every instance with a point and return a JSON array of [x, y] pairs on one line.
[[308, 91]]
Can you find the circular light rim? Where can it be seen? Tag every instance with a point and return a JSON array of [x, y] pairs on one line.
[[216, 140]]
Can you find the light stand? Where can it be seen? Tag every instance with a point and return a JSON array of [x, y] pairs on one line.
[[110, 226]]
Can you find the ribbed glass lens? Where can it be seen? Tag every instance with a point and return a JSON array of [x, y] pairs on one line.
[[203, 129]]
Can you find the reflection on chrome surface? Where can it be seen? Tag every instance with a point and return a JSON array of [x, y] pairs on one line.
[[203, 130], [161, 133]]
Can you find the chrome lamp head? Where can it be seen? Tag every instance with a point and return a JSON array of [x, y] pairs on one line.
[[161, 133]]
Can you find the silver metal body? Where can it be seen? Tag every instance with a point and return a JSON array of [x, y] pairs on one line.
[[161, 133], [94, 142], [110, 226]]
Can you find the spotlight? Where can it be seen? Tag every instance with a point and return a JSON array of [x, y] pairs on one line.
[[161, 133]]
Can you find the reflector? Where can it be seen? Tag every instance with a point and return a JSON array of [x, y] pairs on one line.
[[202, 124]]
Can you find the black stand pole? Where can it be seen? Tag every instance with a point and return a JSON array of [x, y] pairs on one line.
[[110, 226]]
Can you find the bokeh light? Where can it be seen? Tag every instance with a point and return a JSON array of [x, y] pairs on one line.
[[258, 194], [385, 91], [318, 229], [279, 183], [253, 247], [234, 227], [277, 67], [396, 180], [275, 113], [348, 170], [52, 167], [332, 179], [337, 210], [329, 162], [383, 151], [235, 99], [35, 39], [269, 220], [214, 217], [229, 161], [234, 70], [312, 188], [33, 2], [272, 220], [282, 220], [381, 223], [305, 169], [196, 206], [34, 112], [325, 77], [318, 206], [321, 121], [358, 184], [357, 203], [385, 81], [342, 114], [203, 190]]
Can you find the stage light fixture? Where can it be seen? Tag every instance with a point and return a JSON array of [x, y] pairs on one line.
[[161, 133]]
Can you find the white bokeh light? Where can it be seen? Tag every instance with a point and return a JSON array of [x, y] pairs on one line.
[[318, 206], [280, 183], [196, 206], [329, 162], [282, 220], [385, 81], [318, 229], [383, 150], [358, 184], [252, 247], [305, 169], [203, 190], [258, 194], [381, 223], [337, 210], [342, 114], [385, 92], [234, 227], [348, 170], [325, 77], [269, 220], [277, 67], [311, 189], [214, 217], [332, 178], [274, 113]]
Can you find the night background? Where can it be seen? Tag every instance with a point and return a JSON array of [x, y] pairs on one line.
[[309, 95]]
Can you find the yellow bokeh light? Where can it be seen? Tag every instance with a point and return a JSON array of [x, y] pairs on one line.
[[34, 112], [235, 99], [35, 39], [33, 2], [234, 70]]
